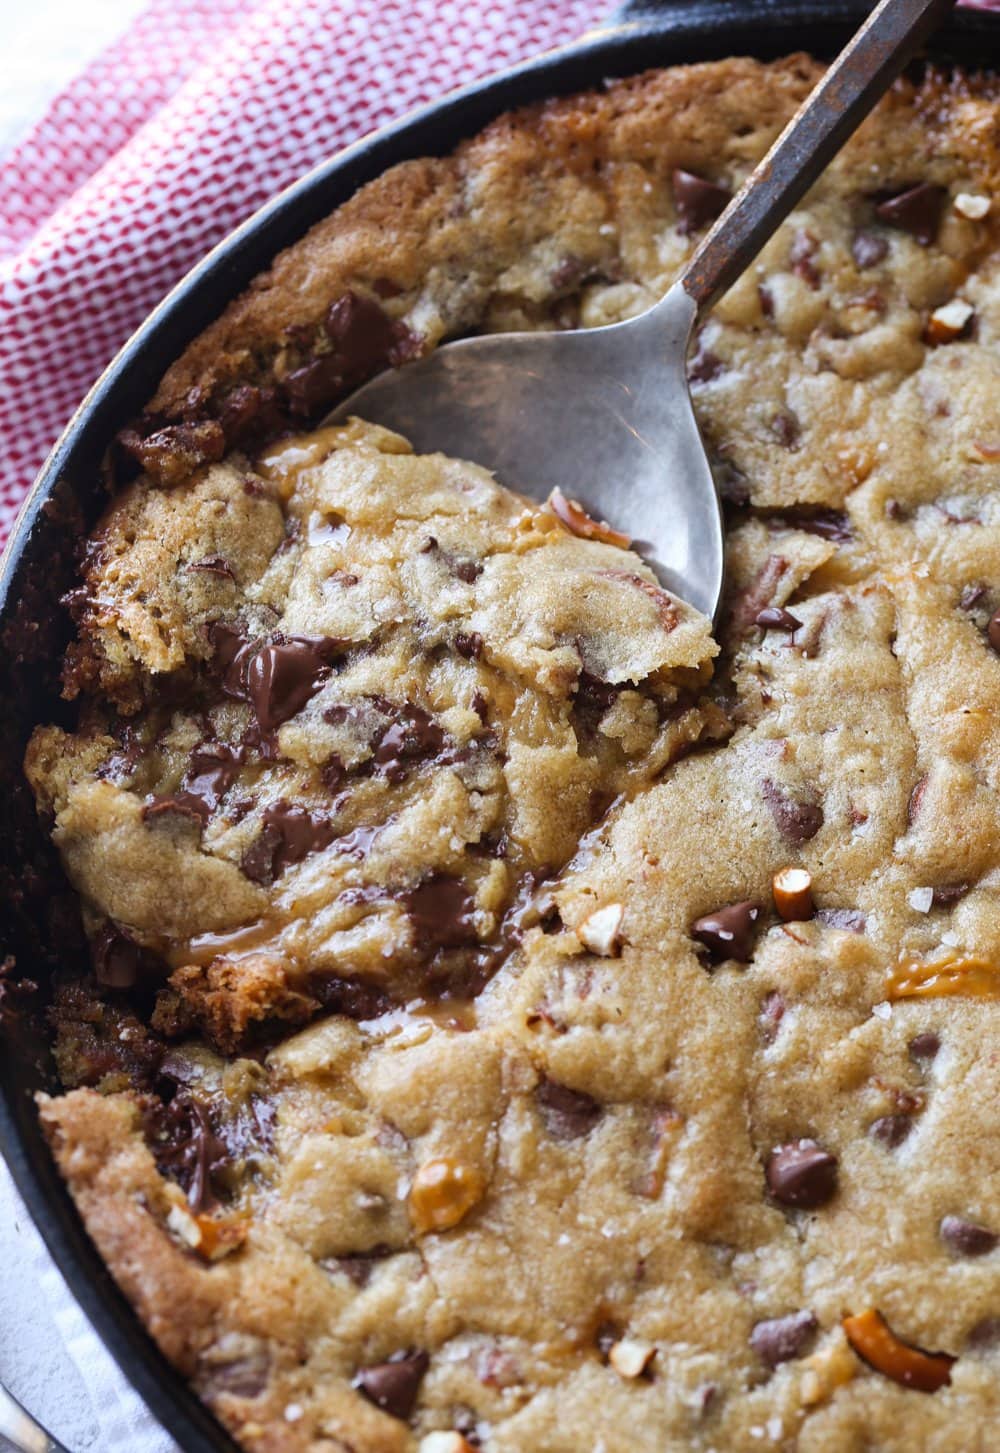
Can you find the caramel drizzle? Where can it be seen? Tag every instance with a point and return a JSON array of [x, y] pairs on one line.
[[972, 977]]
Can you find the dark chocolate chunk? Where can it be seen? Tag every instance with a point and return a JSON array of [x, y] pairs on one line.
[[772, 1012], [393, 1386], [993, 631], [924, 1046], [728, 933], [776, 618], [469, 644], [170, 454], [120, 961], [288, 834], [176, 804], [804, 248], [441, 912], [697, 200], [412, 738], [917, 210], [985, 1334], [914, 800], [213, 565], [282, 677], [779, 1339], [828, 524], [364, 340], [467, 570], [358, 1267], [567, 1114], [248, 412], [786, 428], [966, 1238], [354, 998], [851, 920], [801, 1174], [185, 1146], [868, 248], [891, 1130], [212, 770], [948, 893], [797, 819], [971, 596], [704, 367]]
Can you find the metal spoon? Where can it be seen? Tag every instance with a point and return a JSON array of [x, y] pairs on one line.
[[604, 414]]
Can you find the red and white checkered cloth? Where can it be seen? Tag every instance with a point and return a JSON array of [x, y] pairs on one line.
[[198, 114]]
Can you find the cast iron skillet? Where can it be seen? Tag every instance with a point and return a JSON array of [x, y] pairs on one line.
[[37, 920]]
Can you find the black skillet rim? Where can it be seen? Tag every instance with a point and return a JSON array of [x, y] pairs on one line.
[[645, 33]]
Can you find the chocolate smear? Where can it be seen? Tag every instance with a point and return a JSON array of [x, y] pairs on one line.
[[776, 618], [176, 804], [281, 678], [441, 912], [288, 834], [412, 738]]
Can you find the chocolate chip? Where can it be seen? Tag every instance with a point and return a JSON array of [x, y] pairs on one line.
[[776, 618], [704, 367], [801, 1174], [868, 248], [248, 412], [697, 200], [891, 1130], [213, 565], [176, 804], [354, 998], [358, 1268], [567, 1114], [288, 834], [914, 800], [916, 210], [185, 1146], [441, 912], [779, 1339], [948, 893], [728, 933], [212, 769], [772, 1011], [924, 1046], [414, 737], [828, 524], [804, 247], [786, 428], [282, 677], [364, 340], [117, 957], [984, 1334], [971, 596], [993, 631], [851, 920], [469, 644], [797, 819], [468, 571], [393, 1385], [966, 1238], [766, 297], [170, 454]]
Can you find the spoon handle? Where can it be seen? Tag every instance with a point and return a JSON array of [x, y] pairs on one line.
[[817, 131]]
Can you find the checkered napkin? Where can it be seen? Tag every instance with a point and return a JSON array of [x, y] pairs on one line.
[[198, 114], [201, 111]]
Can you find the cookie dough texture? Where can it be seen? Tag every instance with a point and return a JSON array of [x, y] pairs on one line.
[[553, 1222]]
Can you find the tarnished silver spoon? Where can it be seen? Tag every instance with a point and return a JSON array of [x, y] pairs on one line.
[[604, 414]]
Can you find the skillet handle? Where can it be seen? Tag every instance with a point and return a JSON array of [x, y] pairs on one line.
[[862, 73]]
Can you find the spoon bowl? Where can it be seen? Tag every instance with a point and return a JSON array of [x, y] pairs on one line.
[[604, 414]]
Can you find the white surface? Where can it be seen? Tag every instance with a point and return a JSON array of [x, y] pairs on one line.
[[45, 42], [50, 1357]]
